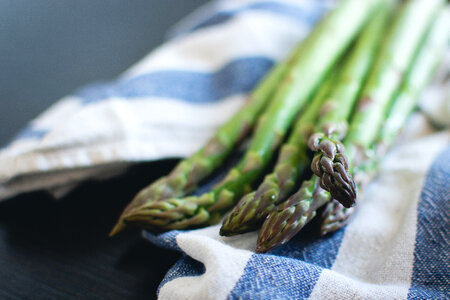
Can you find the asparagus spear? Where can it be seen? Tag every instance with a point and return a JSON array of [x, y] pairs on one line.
[[269, 238], [292, 215], [189, 172], [425, 64], [340, 101], [322, 48], [253, 207], [391, 65], [334, 122], [335, 215]]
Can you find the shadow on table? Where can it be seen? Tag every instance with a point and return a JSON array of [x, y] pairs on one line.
[[61, 249]]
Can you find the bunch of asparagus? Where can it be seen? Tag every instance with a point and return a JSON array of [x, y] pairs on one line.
[[337, 88]]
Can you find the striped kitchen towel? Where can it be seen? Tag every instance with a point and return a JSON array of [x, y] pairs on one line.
[[396, 247], [167, 105]]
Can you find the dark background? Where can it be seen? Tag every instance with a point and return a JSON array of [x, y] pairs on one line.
[[49, 48], [60, 250]]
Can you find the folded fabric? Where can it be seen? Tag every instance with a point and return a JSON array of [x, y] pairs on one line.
[[165, 106], [395, 247]]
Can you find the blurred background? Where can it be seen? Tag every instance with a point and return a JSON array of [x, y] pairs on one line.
[[49, 48]]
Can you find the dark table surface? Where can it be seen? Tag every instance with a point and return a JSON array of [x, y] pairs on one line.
[[60, 250]]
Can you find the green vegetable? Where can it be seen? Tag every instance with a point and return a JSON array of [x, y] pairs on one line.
[[253, 207], [319, 52], [189, 172], [380, 87], [291, 216], [335, 216]]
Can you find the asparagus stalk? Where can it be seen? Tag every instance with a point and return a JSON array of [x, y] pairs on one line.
[[253, 207], [391, 65], [425, 64], [328, 161], [189, 172], [267, 240], [322, 48], [292, 215], [335, 215]]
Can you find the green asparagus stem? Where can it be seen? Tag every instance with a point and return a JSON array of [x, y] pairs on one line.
[[253, 207], [391, 65], [336, 216], [329, 163], [424, 66], [322, 49], [292, 215], [189, 172], [285, 221]]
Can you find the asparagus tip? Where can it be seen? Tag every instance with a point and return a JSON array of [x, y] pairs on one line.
[[331, 165], [264, 248], [119, 227], [224, 232]]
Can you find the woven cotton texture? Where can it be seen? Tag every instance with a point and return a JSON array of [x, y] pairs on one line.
[[169, 104], [395, 247]]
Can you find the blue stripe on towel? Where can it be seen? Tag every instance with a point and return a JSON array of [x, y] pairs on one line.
[[185, 266], [431, 271], [297, 265], [311, 249], [274, 277], [307, 15], [166, 240], [237, 77], [30, 133]]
